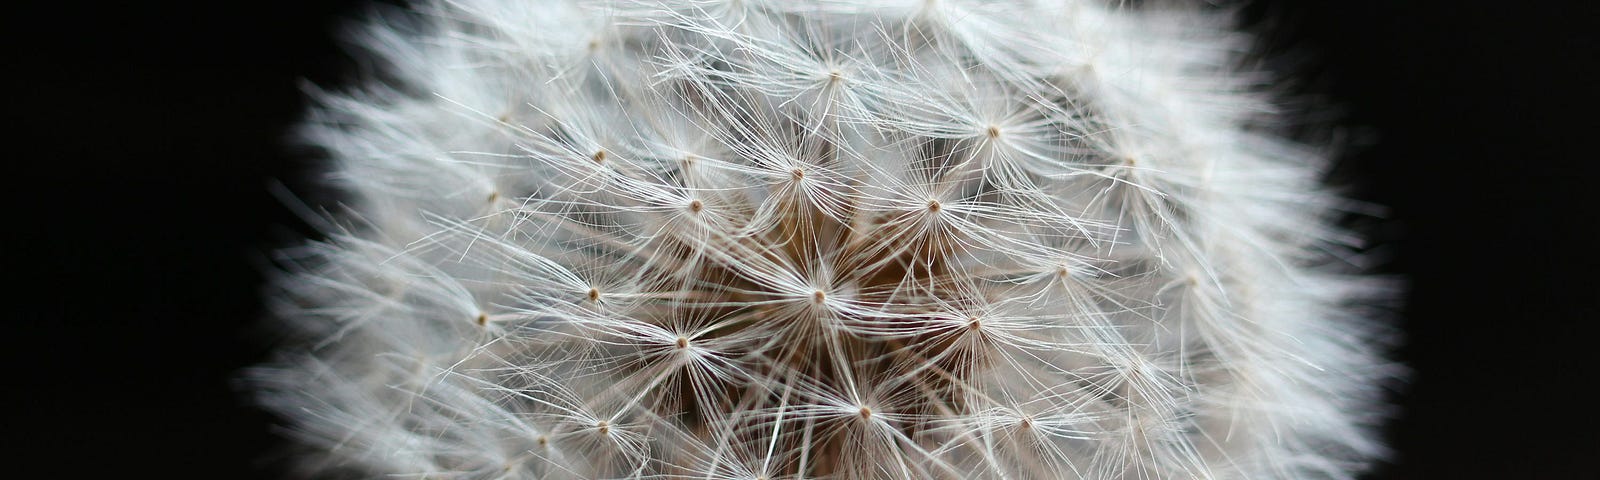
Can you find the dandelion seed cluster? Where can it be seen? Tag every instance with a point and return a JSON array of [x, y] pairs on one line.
[[763, 239]]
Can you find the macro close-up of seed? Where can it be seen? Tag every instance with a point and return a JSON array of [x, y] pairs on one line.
[[839, 239], [802, 239]]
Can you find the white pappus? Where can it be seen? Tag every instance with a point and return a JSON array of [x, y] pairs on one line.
[[834, 239]]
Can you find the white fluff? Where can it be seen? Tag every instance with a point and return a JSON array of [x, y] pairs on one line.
[[761, 239]]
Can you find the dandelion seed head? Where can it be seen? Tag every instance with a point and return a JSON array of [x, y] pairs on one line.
[[835, 239]]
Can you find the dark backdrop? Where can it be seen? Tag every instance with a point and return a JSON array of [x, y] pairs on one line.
[[143, 140]]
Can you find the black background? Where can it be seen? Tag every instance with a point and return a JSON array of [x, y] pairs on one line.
[[143, 139]]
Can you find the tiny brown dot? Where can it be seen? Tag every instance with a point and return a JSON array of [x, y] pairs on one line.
[[493, 196], [866, 413], [834, 76], [594, 294], [683, 342], [934, 206], [696, 206], [599, 156], [797, 174], [1027, 422], [818, 297], [603, 427], [993, 131], [975, 324], [544, 441], [483, 319]]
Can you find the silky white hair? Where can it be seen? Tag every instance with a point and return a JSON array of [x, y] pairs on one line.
[[762, 239]]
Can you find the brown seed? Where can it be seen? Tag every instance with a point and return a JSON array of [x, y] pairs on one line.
[[594, 294], [695, 206]]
